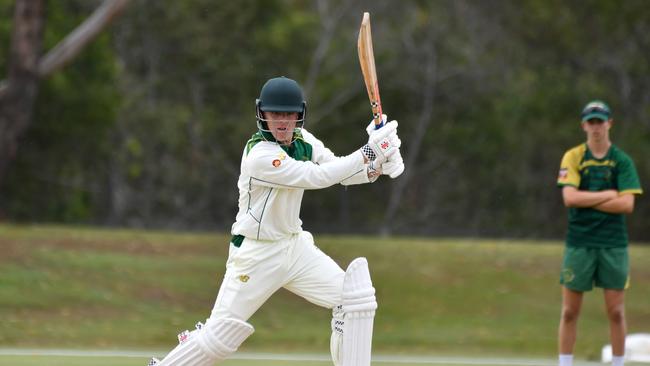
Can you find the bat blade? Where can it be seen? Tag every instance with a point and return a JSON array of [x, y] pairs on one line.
[[367, 61]]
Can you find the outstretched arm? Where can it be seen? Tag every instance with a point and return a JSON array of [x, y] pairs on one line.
[[623, 204], [574, 197], [267, 168]]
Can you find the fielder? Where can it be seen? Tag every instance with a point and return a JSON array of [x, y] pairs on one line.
[[599, 183], [270, 250]]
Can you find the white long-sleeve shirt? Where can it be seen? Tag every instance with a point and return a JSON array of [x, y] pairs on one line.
[[271, 184]]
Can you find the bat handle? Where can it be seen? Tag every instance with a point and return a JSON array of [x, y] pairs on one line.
[[379, 125], [377, 115]]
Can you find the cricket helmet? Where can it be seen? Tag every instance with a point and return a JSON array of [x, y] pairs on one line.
[[280, 94]]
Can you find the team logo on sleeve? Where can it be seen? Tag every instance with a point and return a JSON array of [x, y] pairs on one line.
[[564, 173], [281, 156]]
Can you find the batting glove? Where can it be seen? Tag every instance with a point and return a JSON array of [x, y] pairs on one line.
[[382, 144], [394, 166]]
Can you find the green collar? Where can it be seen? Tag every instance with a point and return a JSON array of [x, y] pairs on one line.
[[299, 149]]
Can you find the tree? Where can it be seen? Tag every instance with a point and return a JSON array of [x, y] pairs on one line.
[[26, 66]]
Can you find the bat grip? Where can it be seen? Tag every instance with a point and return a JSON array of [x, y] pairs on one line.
[[378, 117]]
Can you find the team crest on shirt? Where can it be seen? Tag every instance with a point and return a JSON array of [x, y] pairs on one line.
[[564, 172], [281, 156], [244, 278]]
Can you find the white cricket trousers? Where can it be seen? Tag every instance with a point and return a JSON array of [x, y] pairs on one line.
[[258, 268]]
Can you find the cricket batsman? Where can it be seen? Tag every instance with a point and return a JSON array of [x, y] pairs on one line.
[[270, 250]]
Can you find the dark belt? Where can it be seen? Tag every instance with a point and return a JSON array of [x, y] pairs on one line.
[[236, 240]]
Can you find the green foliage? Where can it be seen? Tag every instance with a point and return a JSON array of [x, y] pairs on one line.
[[6, 15], [146, 128], [63, 157]]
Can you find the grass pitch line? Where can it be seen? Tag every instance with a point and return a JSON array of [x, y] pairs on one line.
[[305, 357]]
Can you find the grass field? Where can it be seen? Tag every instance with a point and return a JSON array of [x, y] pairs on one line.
[[279, 359], [64, 287], [86, 361]]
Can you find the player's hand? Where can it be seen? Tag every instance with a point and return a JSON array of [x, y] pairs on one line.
[[374, 171], [394, 166], [372, 127], [382, 144]]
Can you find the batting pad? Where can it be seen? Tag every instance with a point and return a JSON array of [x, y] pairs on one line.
[[210, 344], [359, 305]]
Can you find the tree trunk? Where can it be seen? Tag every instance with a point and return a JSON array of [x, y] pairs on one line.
[[18, 93], [73, 43]]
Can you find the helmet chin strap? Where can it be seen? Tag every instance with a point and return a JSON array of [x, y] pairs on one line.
[[267, 134]]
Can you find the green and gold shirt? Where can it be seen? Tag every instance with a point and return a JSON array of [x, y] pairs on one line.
[[579, 168]]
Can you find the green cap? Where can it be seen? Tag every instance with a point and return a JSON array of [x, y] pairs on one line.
[[595, 109]]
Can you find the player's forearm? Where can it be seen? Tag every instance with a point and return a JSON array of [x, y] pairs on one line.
[[577, 198], [359, 177], [621, 205], [304, 174]]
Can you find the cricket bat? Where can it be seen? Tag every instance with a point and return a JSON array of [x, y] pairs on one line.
[[367, 61]]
